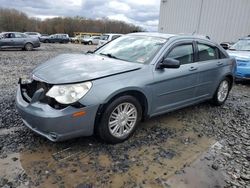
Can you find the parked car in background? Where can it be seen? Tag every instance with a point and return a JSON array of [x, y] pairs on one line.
[[226, 45], [18, 40], [108, 37], [33, 34], [241, 52], [72, 39], [110, 90], [91, 40], [44, 38], [96, 39], [77, 39], [58, 38]]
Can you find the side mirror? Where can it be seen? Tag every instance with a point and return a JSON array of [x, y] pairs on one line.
[[169, 63]]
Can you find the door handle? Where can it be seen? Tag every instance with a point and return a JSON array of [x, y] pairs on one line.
[[219, 63], [193, 68]]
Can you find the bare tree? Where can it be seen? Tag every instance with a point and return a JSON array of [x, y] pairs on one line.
[[13, 20]]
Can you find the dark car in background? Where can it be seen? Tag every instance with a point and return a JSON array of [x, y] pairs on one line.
[[18, 40], [59, 38], [55, 38]]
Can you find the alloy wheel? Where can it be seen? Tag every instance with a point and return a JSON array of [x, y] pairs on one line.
[[223, 91], [122, 119]]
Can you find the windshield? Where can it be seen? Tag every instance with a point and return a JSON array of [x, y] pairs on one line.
[[139, 49], [241, 45]]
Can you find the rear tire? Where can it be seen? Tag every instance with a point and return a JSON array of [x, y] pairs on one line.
[[119, 120], [222, 92], [28, 47]]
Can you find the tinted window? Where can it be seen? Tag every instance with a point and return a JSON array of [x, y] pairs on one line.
[[206, 52], [184, 53]]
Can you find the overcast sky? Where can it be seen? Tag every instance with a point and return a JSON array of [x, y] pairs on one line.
[[144, 13]]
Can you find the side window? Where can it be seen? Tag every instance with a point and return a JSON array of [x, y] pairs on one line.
[[18, 35], [206, 52], [184, 53]]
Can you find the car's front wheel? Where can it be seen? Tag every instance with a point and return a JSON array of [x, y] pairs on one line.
[[28, 47], [119, 120], [222, 92]]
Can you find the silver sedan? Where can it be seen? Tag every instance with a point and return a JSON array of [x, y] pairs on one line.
[[18, 40]]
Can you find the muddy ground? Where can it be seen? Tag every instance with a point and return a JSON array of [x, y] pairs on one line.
[[199, 146]]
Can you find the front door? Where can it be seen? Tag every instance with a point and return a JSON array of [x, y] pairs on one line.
[[175, 88], [7, 40]]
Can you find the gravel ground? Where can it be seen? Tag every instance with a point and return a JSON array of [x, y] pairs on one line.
[[163, 149]]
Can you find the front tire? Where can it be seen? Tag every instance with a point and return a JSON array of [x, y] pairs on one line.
[[119, 119], [222, 92]]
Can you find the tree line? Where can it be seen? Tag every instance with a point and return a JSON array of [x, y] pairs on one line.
[[14, 20]]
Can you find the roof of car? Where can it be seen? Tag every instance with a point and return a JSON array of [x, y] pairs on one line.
[[167, 36], [153, 34]]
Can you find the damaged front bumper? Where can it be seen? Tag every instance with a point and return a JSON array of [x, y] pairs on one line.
[[50, 121]]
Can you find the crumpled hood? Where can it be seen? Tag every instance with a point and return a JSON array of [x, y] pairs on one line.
[[240, 55], [71, 68]]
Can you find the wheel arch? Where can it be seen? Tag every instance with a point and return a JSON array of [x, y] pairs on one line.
[[138, 94], [231, 78]]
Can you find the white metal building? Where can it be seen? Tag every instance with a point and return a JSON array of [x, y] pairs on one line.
[[221, 20]]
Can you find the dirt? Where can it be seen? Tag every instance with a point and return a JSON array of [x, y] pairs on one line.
[[198, 146]]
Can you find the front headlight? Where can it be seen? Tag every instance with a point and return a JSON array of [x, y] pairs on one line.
[[70, 93]]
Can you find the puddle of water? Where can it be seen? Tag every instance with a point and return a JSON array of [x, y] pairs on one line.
[[11, 168], [199, 174]]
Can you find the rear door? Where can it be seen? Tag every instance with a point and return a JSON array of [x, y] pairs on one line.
[[210, 65], [174, 88]]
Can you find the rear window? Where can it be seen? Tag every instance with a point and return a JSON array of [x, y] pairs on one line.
[[207, 52]]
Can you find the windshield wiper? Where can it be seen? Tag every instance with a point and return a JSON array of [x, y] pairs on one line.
[[109, 55]]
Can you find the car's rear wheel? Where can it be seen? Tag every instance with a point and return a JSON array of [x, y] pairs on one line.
[[46, 41], [90, 43], [28, 47], [119, 120], [222, 92]]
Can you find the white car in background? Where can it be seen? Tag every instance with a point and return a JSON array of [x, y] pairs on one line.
[[91, 40], [108, 37], [34, 34]]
